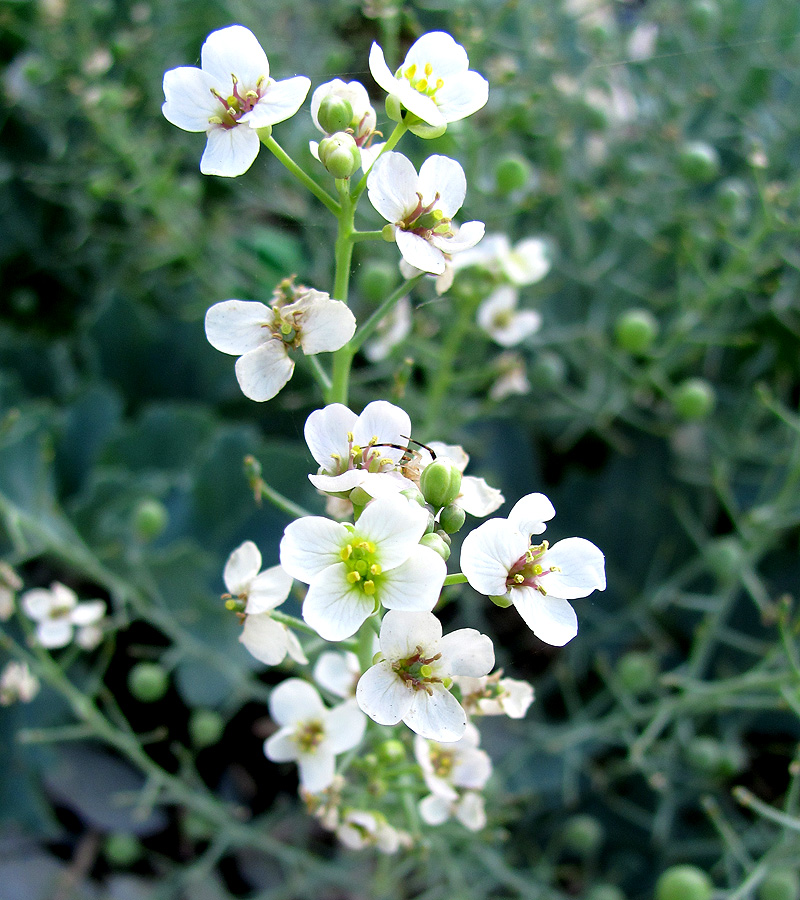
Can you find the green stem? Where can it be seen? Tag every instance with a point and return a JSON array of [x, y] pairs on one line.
[[367, 329], [366, 643], [456, 578], [399, 130], [282, 503], [337, 393], [321, 376], [319, 192], [357, 236], [292, 622]]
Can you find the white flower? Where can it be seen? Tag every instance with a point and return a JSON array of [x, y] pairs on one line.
[[526, 263], [362, 124], [443, 282], [494, 695], [361, 828], [468, 808], [268, 641], [421, 207], [10, 583], [499, 561], [337, 673], [230, 97], [411, 682], [17, 683], [392, 329], [458, 764], [261, 336], [434, 81], [499, 318], [311, 734], [352, 570], [57, 614], [512, 377], [358, 451]]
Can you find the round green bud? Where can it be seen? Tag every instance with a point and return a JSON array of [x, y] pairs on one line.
[[635, 330], [698, 161], [359, 497], [548, 370], [340, 155], [148, 681], [704, 754], [605, 892], [703, 15], [334, 114], [452, 518], [376, 280], [725, 557], [511, 173], [150, 518], [196, 828], [732, 196], [583, 835], [394, 108], [637, 671], [435, 542], [392, 751], [440, 483], [694, 399], [733, 760], [205, 727], [444, 536], [502, 602], [122, 849], [780, 884], [413, 494], [387, 233], [684, 882]]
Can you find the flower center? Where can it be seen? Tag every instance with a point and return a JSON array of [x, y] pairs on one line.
[[358, 457], [285, 325], [421, 80], [503, 319], [238, 103], [442, 761], [528, 569], [60, 611], [361, 564], [309, 736], [419, 672], [426, 220]]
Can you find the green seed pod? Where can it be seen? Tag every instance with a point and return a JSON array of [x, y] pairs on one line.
[[148, 681], [698, 161], [684, 882], [511, 173], [780, 884], [335, 114], [436, 543], [694, 399], [205, 727], [340, 155], [452, 518], [122, 849], [635, 330], [637, 671], [583, 835], [440, 483], [150, 518]]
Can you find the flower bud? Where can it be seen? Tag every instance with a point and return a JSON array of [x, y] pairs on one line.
[[413, 494], [637, 671], [340, 155], [205, 727], [452, 518], [334, 114], [684, 882], [583, 835], [392, 751], [436, 543], [698, 161], [148, 681], [122, 849], [512, 173], [376, 280], [635, 330], [440, 483], [394, 109], [150, 518], [694, 399]]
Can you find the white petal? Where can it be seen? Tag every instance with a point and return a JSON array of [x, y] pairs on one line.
[[37, 603], [281, 746], [467, 652], [326, 433], [327, 326], [470, 811], [523, 324], [489, 552], [229, 151], [502, 300], [234, 51], [267, 590], [295, 649], [279, 102], [460, 97], [339, 484], [465, 238], [445, 177], [517, 698], [414, 585], [419, 253], [437, 716], [237, 326], [392, 186], [317, 770], [241, 568], [262, 372], [527, 263], [294, 701], [380, 71], [472, 769], [388, 423], [551, 619], [477, 498], [344, 727], [582, 569], [264, 638], [395, 526], [529, 514], [454, 452], [434, 809], [334, 608], [310, 545], [63, 597], [54, 633], [383, 696], [440, 49], [402, 632], [189, 102], [88, 613], [337, 672]]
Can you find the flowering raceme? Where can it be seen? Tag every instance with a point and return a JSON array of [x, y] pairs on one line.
[[362, 120], [230, 97]]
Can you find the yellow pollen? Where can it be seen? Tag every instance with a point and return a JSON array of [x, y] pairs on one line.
[[422, 85], [350, 437], [537, 569], [346, 552], [519, 578], [411, 71], [368, 587], [354, 577], [428, 69], [439, 83], [375, 569]]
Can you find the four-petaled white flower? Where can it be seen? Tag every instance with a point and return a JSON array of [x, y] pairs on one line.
[[362, 124], [494, 695], [352, 570], [420, 208], [467, 807], [58, 614], [311, 734], [17, 683], [525, 263], [261, 592], [512, 377], [261, 336], [499, 561], [499, 317], [230, 97], [412, 679], [361, 828], [434, 82], [358, 450]]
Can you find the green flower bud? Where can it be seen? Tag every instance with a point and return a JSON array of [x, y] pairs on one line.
[[511, 173], [205, 727], [376, 280], [335, 114], [694, 399], [444, 536], [698, 161], [436, 543], [394, 109], [340, 155], [583, 835], [122, 849], [684, 882], [440, 483], [704, 754], [148, 681], [725, 557], [196, 828], [452, 518], [502, 602], [635, 330], [414, 494], [780, 884], [637, 671], [150, 518], [392, 751], [387, 233], [359, 497], [703, 15]]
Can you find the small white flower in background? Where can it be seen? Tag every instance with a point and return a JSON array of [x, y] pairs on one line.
[[311, 734], [10, 583], [58, 614], [17, 683], [352, 570], [393, 328], [325, 805], [412, 679], [500, 561], [512, 377], [261, 592], [499, 317], [468, 808], [229, 98], [337, 672], [459, 764], [420, 208], [434, 82], [362, 124], [261, 336], [362, 828], [523, 264], [494, 695], [358, 450], [642, 41]]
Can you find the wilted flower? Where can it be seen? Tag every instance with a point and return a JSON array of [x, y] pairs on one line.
[[58, 614], [360, 828], [494, 695]]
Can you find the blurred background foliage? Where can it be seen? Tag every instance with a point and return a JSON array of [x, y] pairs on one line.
[[655, 146]]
